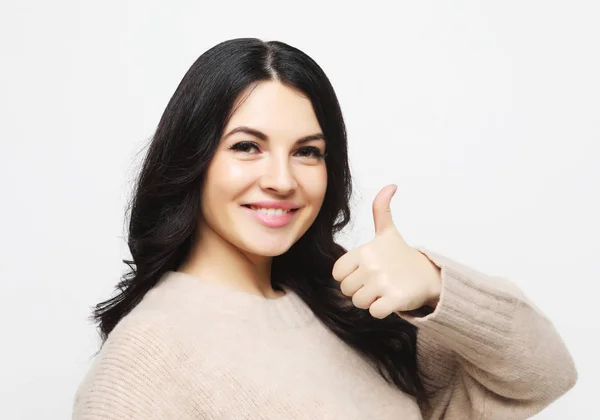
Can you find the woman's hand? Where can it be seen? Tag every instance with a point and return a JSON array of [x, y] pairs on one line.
[[386, 275]]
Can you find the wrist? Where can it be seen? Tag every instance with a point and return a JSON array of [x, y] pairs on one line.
[[435, 284]]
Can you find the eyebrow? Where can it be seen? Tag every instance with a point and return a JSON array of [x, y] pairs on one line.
[[262, 136]]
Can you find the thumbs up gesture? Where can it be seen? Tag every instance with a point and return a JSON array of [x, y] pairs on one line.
[[386, 275]]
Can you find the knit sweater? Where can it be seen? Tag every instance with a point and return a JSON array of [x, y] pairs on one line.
[[192, 349]]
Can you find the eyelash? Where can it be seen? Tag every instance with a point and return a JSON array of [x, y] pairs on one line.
[[313, 150]]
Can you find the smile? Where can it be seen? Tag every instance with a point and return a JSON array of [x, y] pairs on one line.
[[270, 211], [271, 217]]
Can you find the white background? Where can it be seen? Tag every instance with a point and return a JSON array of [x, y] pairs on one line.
[[486, 115]]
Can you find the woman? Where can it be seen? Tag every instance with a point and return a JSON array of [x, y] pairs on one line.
[[241, 305]]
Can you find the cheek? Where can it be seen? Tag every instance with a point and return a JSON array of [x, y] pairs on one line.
[[226, 177], [220, 186], [236, 172], [315, 184]]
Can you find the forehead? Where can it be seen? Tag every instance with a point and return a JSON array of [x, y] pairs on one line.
[[276, 109]]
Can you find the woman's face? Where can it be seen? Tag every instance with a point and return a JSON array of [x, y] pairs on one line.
[[276, 168]]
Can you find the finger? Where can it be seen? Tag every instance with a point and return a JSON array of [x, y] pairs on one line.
[[345, 265], [366, 295], [382, 213], [382, 307], [352, 283]]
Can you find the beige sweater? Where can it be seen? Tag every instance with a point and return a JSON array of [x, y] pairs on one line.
[[198, 350]]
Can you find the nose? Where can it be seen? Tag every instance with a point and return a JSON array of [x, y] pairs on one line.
[[278, 176]]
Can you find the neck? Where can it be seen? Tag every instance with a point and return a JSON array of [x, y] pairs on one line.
[[216, 260]]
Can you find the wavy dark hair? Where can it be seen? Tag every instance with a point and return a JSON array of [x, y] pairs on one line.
[[165, 203]]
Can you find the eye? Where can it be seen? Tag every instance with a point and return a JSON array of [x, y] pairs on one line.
[[308, 152], [311, 151], [243, 146]]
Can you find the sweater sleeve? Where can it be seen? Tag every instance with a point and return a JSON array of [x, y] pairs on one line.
[[486, 351], [138, 374]]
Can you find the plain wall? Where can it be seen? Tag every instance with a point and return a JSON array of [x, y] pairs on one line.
[[485, 114]]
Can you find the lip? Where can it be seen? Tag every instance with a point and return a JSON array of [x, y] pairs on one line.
[[284, 205], [271, 221]]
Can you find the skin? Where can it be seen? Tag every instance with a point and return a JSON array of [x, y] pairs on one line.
[[232, 247]]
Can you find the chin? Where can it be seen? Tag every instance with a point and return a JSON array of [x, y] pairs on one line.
[[268, 249]]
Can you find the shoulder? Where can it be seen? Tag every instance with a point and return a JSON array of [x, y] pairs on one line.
[[154, 335], [141, 363], [144, 333]]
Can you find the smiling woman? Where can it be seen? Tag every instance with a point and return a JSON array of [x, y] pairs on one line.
[[240, 304]]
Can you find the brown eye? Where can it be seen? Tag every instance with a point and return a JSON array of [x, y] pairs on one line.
[[311, 152], [244, 146]]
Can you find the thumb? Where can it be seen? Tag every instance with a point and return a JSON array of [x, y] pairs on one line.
[[382, 213]]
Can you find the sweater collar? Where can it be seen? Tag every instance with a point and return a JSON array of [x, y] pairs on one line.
[[286, 311]]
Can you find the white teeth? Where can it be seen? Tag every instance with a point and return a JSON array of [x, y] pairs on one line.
[[270, 212]]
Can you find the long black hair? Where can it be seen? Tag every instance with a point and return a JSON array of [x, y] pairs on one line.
[[166, 201]]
